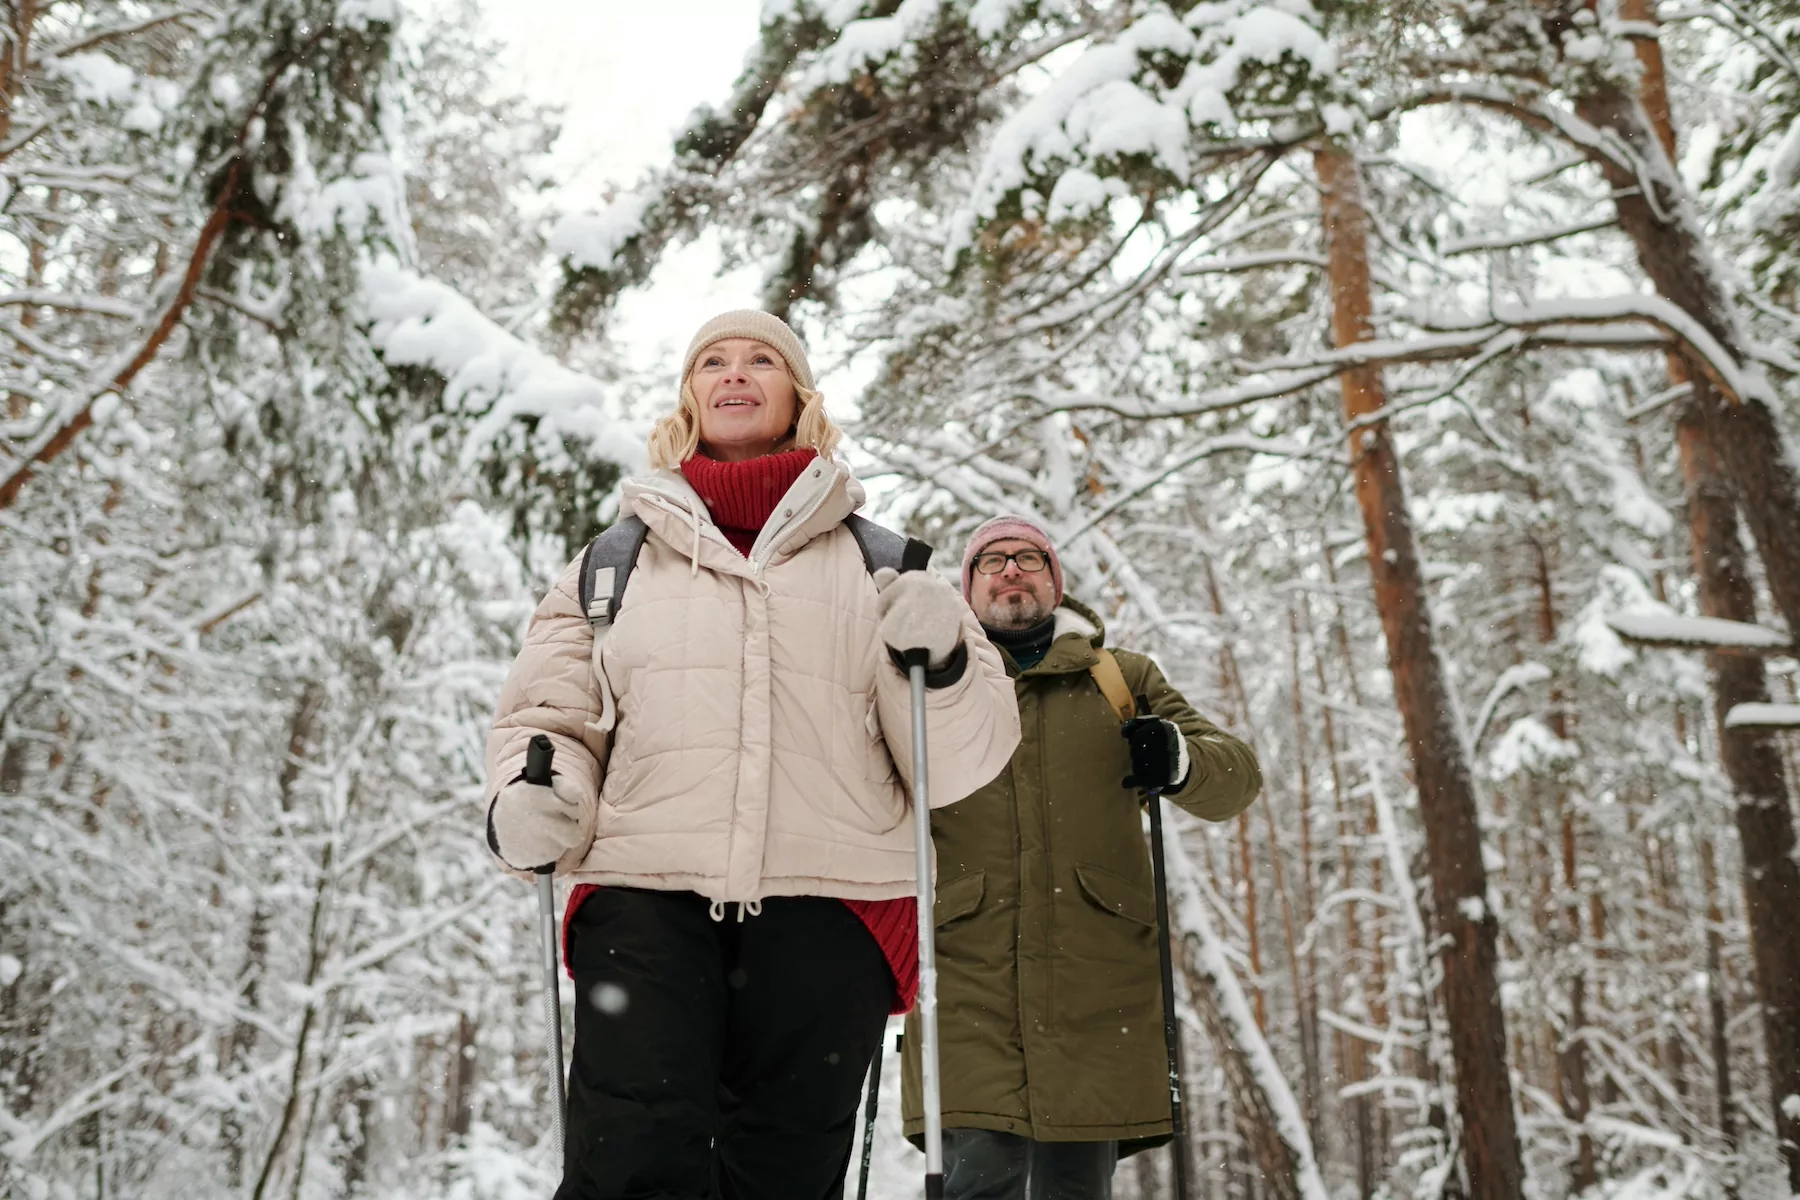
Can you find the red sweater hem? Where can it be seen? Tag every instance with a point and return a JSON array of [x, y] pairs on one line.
[[894, 924]]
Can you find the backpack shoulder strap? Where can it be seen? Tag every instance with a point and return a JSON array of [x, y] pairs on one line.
[[607, 563], [1111, 679], [606, 567], [880, 546]]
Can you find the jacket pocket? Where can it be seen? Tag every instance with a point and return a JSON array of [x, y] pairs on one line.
[[1117, 895], [959, 899]]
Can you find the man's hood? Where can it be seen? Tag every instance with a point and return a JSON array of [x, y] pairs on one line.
[[1075, 643]]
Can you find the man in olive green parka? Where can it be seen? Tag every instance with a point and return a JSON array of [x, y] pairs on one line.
[[1049, 996]]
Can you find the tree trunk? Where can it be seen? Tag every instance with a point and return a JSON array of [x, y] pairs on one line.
[[1752, 762], [1232, 684], [1306, 984], [1666, 234], [1571, 1051], [461, 1100], [241, 1045], [15, 53], [1719, 1019], [1447, 805], [1268, 1116]]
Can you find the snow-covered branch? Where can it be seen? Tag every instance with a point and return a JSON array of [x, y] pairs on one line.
[[1763, 716], [1665, 629], [422, 323]]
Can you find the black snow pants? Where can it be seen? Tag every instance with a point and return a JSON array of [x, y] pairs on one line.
[[718, 1058], [980, 1164]]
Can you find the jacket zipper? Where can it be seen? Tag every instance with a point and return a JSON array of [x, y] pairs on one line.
[[757, 565]]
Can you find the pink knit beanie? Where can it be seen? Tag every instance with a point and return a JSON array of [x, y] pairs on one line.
[[1000, 529]]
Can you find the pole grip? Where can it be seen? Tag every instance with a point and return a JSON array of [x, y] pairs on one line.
[[539, 754], [916, 556]]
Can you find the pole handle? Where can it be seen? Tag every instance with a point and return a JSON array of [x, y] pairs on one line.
[[539, 754], [915, 557]]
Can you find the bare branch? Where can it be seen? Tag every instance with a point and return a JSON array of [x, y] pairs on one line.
[[103, 306], [209, 623], [1530, 108], [121, 32], [77, 420], [55, 441], [1514, 241], [17, 143], [1229, 264], [1229, 444]]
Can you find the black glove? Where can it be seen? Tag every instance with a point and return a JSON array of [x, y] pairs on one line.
[[1159, 754]]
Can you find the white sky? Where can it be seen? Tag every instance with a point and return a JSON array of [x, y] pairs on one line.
[[627, 73]]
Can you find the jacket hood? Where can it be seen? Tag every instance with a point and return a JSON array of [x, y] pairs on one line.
[[1077, 640]]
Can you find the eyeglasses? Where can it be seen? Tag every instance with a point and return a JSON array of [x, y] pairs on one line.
[[1029, 561]]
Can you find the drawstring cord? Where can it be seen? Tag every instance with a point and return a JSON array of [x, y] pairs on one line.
[[745, 908], [694, 553]]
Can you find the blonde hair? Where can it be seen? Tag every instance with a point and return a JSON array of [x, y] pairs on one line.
[[675, 438]]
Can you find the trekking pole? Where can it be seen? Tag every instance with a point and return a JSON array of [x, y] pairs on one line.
[[1166, 960], [538, 756], [915, 557], [868, 1146]]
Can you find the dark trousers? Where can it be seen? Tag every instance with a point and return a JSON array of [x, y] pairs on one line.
[[718, 1059], [982, 1165]]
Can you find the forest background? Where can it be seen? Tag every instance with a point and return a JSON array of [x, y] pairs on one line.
[[1418, 382]]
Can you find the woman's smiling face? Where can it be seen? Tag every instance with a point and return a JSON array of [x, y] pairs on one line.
[[746, 398]]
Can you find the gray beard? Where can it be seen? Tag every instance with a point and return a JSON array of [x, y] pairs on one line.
[[1015, 612]]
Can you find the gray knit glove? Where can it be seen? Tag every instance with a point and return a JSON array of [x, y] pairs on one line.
[[531, 825], [919, 611]]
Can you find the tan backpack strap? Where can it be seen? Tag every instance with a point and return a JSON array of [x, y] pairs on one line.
[[1111, 679]]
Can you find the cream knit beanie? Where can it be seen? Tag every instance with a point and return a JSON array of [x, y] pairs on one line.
[[764, 327]]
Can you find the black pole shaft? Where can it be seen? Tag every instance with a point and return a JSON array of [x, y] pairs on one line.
[[1171, 1030], [868, 1145]]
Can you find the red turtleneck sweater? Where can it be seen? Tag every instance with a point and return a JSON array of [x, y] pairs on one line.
[[741, 496]]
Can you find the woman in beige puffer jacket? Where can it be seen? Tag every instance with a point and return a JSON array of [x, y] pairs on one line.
[[732, 793]]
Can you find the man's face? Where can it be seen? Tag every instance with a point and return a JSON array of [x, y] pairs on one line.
[[1011, 598]]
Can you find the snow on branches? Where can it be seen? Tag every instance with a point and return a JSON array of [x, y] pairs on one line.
[[489, 372]]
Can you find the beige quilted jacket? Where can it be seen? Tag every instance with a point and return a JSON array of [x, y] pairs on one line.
[[740, 731]]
